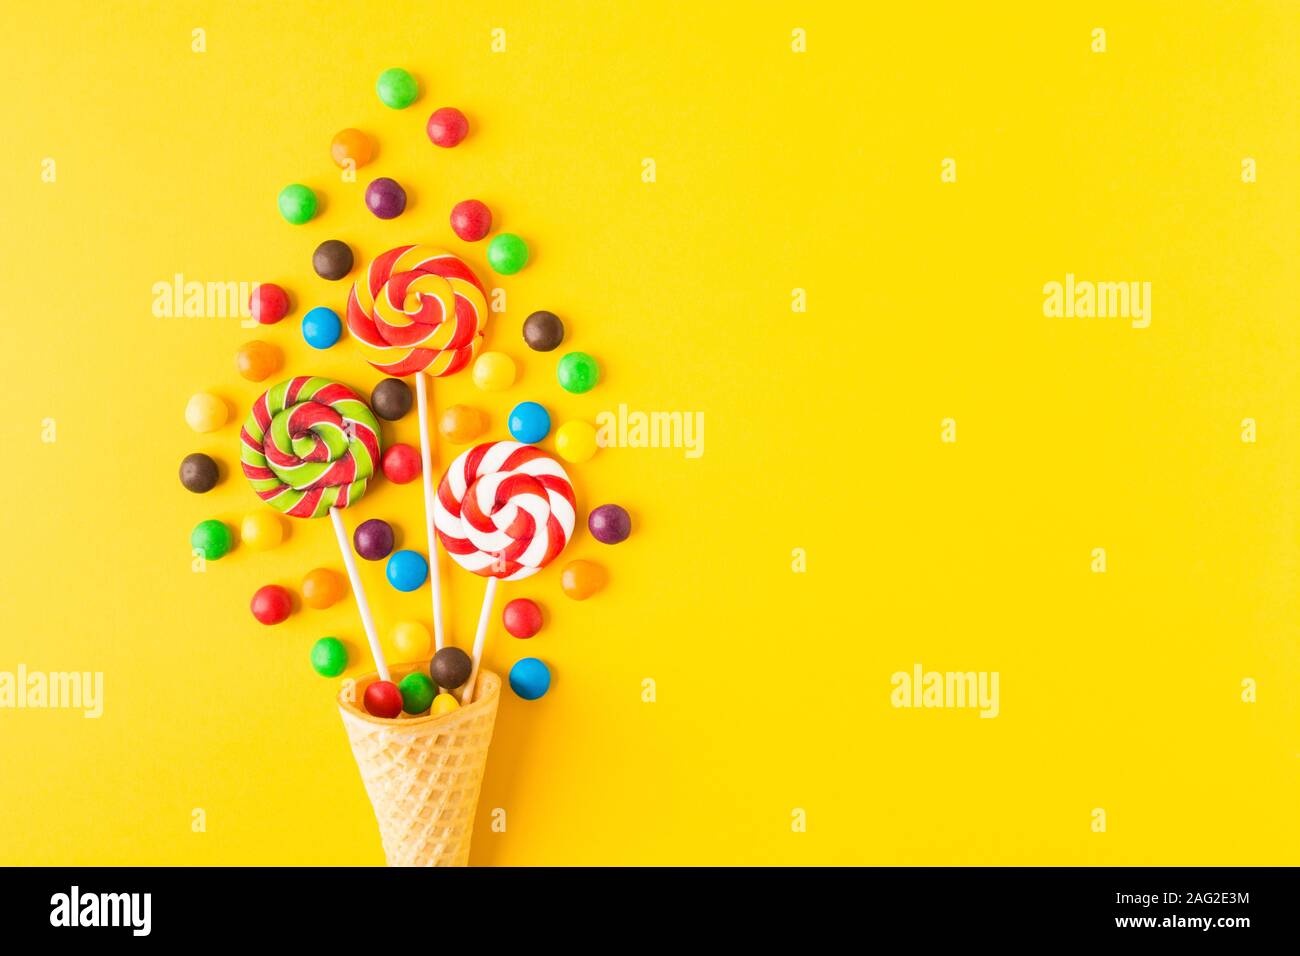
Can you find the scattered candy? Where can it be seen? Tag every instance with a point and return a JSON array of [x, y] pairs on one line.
[[204, 412], [609, 524], [581, 579], [471, 220], [391, 399], [261, 530], [329, 657], [321, 327], [382, 699], [211, 538], [507, 254], [385, 198], [450, 667], [268, 303], [297, 203], [462, 423], [373, 539], [351, 147], [575, 441], [397, 89], [199, 473], [322, 588], [494, 371], [447, 127], [522, 618], [400, 463], [257, 360], [412, 641], [417, 692], [407, 570], [543, 331], [529, 422], [444, 704], [577, 372], [332, 259], [271, 604], [530, 678]]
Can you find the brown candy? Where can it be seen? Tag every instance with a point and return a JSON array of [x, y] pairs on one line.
[[543, 331], [198, 473], [332, 259], [391, 399], [450, 667]]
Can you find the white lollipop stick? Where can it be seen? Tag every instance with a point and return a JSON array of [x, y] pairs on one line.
[[354, 576], [426, 469], [480, 638]]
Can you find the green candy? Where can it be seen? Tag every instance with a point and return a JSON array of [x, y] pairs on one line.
[[507, 254], [578, 372], [297, 203], [397, 89], [329, 657], [211, 538], [418, 692]]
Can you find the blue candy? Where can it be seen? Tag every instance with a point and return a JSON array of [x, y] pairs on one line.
[[407, 570], [529, 423], [530, 678], [321, 327]]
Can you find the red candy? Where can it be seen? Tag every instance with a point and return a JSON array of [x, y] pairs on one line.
[[447, 127], [382, 699], [400, 464], [471, 220], [522, 618], [271, 604], [268, 303]]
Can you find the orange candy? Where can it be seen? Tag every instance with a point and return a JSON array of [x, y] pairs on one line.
[[461, 423], [256, 360], [351, 145], [581, 579], [322, 587]]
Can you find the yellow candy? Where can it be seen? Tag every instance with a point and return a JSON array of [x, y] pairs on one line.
[[444, 704], [575, 441], [494, 371], [205, 412], [262, 530], [412, 641]]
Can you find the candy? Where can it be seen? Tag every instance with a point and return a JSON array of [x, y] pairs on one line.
[[321, 327], [400, 464], [322, 588], [494, 372], [447, 127], [198, 473], [609, 524], [575, 441], [471, 220], [581, 579], [407, 570], [397, 89], [507, 254], [461, 423], [332, 259], [257, 360], [385, 198], [391, 399], [577, 372], [271, 604], [204, 412], [268, 303], [373, 539], [297, 203], [211, 538], [444, 704], [351, 147], [543, 331], [504, 510], [522, 618], [450, 667], [382, 699], [529, 422], [329, 657], [530, 678], [261, 530], [412, 640], [309, 444], [418, 309], [417, 692]]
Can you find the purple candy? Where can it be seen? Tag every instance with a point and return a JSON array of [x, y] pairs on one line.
[[609, 524], [373, 539], [385, 198]]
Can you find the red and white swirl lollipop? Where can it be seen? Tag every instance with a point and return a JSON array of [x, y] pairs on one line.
[[504, 511]]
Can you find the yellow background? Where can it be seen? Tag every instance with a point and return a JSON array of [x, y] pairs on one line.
[[775, 171]]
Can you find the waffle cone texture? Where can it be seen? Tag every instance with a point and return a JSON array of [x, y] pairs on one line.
[[423, 774]]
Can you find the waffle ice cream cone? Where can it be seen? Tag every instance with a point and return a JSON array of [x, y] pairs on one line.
[[423, 774]]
